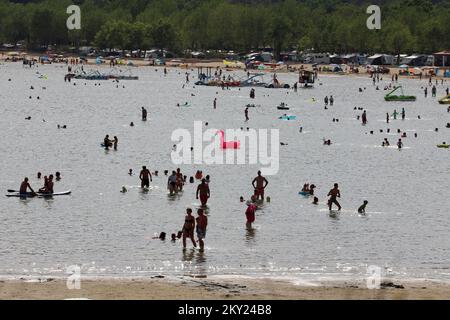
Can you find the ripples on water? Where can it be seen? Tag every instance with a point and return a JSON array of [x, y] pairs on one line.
[[405, 230]]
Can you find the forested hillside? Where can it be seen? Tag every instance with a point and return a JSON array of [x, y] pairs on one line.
[[325, 25]]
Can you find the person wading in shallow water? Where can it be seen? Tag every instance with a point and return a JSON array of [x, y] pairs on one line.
[[188, 228], [259, 184], [145, 177], [334, 194], [203, 192], [202, 222]]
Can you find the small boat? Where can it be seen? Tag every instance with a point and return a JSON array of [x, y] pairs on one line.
[[445, 100], [38, 194], [391, 97], [283, 106]]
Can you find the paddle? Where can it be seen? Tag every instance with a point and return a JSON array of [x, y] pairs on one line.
[[11, 191]]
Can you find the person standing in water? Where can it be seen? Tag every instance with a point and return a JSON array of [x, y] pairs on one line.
[[325, 100], [145, 177], [403, 114], [387, 117], [204, 192], [334, 194], [188, 228], [144, 114], [331, 100], [250, 212], [259, 184], [172, 183], [106, 142], [215, 103], [202, 222], [399, 144], [364, 118], [115, 142], [246, 114], [395, 114], [25, 186]]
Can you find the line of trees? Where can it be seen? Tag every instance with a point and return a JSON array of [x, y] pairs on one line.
[[240, 25]]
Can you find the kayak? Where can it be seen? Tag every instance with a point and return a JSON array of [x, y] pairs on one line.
[[304, 193], [446, 146], [39, 194]]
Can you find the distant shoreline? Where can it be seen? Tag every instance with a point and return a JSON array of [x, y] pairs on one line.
[[218, 63]]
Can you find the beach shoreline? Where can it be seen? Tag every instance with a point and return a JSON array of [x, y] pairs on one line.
[[221, 288], [292, 67]]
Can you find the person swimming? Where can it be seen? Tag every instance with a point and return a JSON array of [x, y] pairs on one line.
[[316, 201]]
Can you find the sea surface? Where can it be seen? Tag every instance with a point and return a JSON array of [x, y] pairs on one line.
[[405, 231]]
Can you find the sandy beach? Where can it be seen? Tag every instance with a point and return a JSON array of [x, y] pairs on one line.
[[227, 289]]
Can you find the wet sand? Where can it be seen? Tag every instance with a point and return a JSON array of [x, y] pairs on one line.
[[219, 289]]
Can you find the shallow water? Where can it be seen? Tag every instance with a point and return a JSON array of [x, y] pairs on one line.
[[405, 230]]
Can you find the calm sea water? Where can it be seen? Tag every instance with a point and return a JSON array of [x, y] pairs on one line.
[[405, 231]]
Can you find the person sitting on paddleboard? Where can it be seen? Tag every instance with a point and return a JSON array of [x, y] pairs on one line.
[[25, 186], [48, 185]]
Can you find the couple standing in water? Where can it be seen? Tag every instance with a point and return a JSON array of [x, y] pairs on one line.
[[199, 224]]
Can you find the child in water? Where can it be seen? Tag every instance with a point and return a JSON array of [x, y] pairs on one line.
[[250, 212], [362, 208]]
